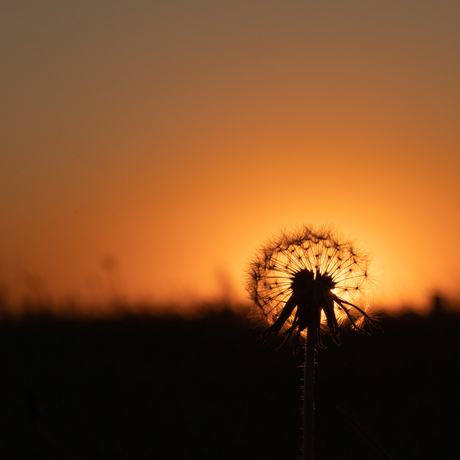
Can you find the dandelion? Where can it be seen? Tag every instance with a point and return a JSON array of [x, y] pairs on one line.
[[304, 285]]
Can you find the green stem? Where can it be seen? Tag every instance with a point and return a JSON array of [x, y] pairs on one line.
[[308, 395]]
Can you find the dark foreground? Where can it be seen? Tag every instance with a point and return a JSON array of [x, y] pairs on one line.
[[170, 388]]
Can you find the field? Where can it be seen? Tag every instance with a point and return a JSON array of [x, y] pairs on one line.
[[146, 387]]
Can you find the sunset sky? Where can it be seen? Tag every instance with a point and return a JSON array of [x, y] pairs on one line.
[[148, 148]]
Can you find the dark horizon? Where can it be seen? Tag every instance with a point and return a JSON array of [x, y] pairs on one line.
[[144, 387], [117, 305]]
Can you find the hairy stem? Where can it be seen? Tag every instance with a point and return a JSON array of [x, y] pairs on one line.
[[308, 415]]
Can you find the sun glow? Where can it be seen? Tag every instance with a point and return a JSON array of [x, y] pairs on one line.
[[184, 133]]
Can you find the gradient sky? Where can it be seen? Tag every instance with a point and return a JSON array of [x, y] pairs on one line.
[[150, 147]]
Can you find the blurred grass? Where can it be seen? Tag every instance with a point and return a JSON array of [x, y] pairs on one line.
[[146, 387]]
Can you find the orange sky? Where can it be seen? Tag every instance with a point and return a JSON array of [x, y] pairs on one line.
[[177, 136]]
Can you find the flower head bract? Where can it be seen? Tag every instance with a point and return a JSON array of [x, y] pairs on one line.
[[310, 278]]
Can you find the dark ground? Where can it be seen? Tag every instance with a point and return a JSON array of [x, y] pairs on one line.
[[170, 388]]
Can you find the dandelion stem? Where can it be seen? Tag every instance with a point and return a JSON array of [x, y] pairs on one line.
[[308, 394]]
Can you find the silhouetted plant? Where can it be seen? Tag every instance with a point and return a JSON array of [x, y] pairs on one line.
[[303, 285]]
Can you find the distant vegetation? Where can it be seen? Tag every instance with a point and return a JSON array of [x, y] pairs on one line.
[[143, 387]]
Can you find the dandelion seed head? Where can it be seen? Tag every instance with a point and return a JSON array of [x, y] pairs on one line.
[[309, 278]]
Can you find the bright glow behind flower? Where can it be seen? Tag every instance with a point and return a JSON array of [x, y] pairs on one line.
[[309, 279]]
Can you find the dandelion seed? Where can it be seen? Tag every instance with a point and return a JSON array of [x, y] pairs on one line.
[[310, 286]]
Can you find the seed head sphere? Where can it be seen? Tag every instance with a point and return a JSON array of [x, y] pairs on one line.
[[309, 278]]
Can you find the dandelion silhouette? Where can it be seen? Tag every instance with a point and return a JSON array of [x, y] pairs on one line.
[[306, 284]]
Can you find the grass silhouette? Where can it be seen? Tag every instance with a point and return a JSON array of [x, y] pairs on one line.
[[114, 388]]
